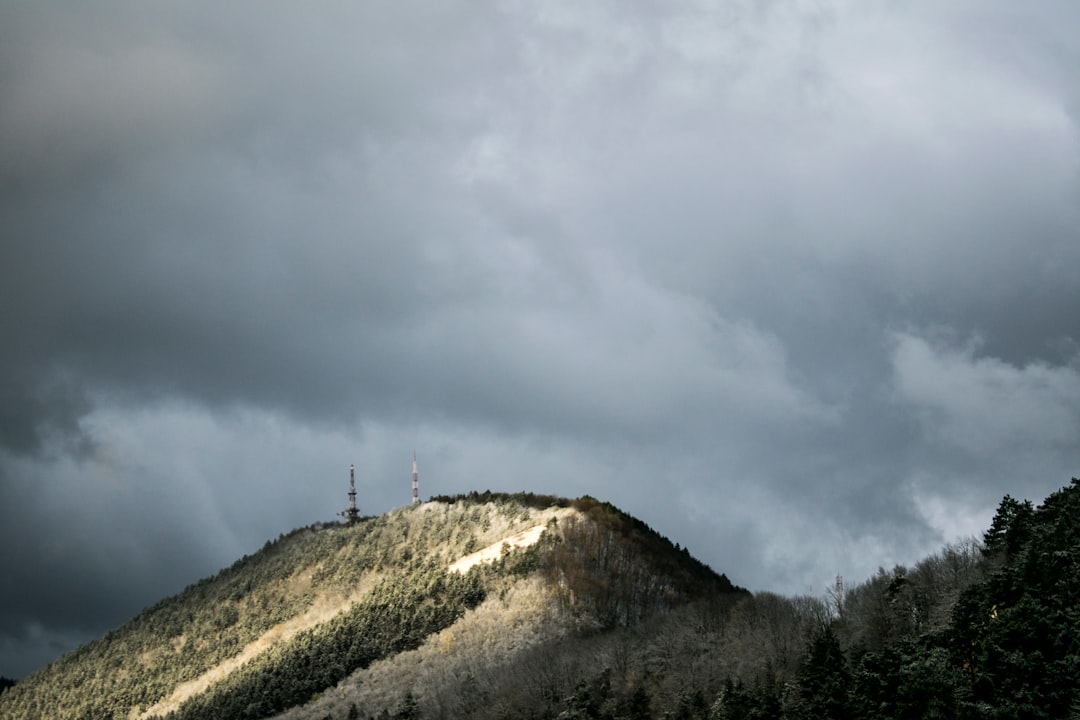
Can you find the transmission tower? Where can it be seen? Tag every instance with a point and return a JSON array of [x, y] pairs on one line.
[[415, 481], [351, 514]]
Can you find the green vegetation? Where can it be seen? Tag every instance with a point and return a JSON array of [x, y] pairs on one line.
[[612, 570], [397, 615], [990, 632], [386, 583], [182, 637], [979, 630], [601, 618]]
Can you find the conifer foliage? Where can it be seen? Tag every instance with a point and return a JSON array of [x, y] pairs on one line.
[[373, 590], [631, 627], [1009, 646]]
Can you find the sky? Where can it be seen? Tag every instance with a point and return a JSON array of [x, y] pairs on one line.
[[794, 282]]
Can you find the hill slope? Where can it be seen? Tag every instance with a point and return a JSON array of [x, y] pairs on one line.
[[334, 603], [490, 606]]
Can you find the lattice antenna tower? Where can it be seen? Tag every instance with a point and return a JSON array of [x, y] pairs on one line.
[[351, 514]]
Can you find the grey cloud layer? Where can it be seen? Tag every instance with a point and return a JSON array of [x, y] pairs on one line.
[[795, 285]]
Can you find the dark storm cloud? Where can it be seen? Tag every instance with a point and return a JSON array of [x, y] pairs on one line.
[[218, 225], [795, 285]]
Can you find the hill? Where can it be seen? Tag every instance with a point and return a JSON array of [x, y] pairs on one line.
[[497, 606], [282, 626]]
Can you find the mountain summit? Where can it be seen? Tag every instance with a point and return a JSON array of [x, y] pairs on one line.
[[516, 606], [400, 613]]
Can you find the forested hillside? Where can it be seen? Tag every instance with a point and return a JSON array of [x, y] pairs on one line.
[[278, 627], [496, 606], [982, 629]]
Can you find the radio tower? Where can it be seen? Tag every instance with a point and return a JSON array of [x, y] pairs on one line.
[[415, 481], [351, 513]]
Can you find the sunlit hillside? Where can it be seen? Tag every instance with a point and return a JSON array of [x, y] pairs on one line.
[[494, 606], [282, 626]]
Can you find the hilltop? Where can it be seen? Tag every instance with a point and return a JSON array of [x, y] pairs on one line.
[[524, 606], [308, 610]]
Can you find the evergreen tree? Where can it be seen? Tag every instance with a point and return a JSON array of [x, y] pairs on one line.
[[824, 681], [1011, 526], [408, 708], [1015, 634]]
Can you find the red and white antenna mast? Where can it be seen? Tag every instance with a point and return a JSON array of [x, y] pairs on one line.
[[351, 513], [415, 481]]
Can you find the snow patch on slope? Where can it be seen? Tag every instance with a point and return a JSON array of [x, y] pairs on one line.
[[522, 539]]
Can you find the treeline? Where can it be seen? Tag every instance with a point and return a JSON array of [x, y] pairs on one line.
[[523, 499], [985, 629], [612, 528], [603, 618], [610, 572], [992, 636], [691, 661], [180, 638], [982, 629], [405, 553]]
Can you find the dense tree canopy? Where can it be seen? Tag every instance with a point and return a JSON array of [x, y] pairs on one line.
[[980, 630]]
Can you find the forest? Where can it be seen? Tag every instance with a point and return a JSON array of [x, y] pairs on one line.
[[601, 618], [985, 628]]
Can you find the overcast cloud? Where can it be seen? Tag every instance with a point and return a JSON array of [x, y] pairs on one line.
[[793, 282]]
